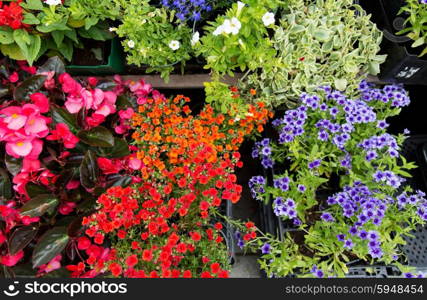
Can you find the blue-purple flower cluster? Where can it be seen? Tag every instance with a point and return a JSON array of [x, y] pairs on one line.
[[238, 236], [292, 124], [282, 183], [423, 1], [389, 178], [382, 142], [361, 202], [257, 186], [188, 9], [417, 200], [393, 94], [285, 208], [263, 151], [317, 272]]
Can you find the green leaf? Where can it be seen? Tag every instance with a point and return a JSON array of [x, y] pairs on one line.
[[22, 39], [5, 184], [61, 115], [33, 4], [34, 49], [30, 19], [322, 35], [341, 84], [13, 165], [66, 49], [29, 87], [21, 237], [39, 205], [6, 37], [13, 51], [50, 245], [58, 37], [53, 64], [89, 170], [418, 42], [98, 137], [120, 149], [33, 190], [374, 68]]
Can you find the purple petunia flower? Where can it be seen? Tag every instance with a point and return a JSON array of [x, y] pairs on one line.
[[266, 248]]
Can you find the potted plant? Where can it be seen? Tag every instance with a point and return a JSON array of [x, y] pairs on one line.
[[338, 185], [33, 28], [316, 43], [404, 43], [63, 144], [162, 227]]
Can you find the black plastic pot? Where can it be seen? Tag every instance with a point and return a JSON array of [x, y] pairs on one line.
[[403, 64]]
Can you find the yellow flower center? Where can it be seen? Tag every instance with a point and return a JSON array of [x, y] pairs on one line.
[[20, 144], [14, 116]]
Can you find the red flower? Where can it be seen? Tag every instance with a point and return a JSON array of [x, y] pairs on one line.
[[121, 234], [63, 133], [11, 260], [115, 269], [249, 225], [195, 236], [218, 226], [14, 77], [131, 261], [223, 274], [147, 255], [186, 274], [215, 268], [204, 205], [206, 274], [83, 243], [41, 101]]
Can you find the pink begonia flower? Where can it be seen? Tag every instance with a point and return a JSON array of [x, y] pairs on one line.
[[14, 119], [67, 208], [140, 88], [135, 163], [104, 102], [20, 181], [72, 184], [49, 83], [69, 85], [95, 120], [14, 77], [126, 114], [30, 165], [41, 101], [52, 265], [63, 133], [121, 129], [27, 116], [11, 260], [19, 146], [27, 220], [93, 81]]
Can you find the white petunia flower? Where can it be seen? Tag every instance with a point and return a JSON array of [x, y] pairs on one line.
[[219, 30], [195, 38], [53, 2], [235, 26], [131, 44], [174, 45], [240, 6], [268, 19]]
